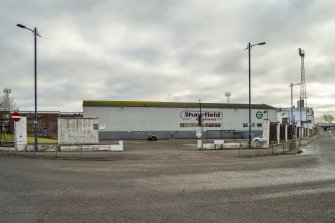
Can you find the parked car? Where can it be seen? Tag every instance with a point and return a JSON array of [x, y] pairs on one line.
[[152, 138], [259, 139]]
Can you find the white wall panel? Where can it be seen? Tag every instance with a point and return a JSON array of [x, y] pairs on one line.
[[169, 119]]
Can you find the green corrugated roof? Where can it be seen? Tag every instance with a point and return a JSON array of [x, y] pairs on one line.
[[101, 103]]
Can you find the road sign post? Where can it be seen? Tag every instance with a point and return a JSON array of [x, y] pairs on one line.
[[20, 131], [16, 117]]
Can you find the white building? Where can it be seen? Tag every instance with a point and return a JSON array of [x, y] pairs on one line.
[[138, 119], [302, 118]]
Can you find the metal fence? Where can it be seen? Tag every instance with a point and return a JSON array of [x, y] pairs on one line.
[[54, 151], [285, 147]]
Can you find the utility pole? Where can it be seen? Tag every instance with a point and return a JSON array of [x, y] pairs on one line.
[[291, 116], [302, 86]]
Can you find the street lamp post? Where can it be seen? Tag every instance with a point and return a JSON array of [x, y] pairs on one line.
[[249, 124], [35, 33], [201, 126], [291, 116]]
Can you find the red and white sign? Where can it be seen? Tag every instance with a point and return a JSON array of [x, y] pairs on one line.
[[16, 117]]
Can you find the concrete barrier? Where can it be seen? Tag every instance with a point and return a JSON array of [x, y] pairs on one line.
[[7, 149], [218, 143], [232, 145], [112, 147], [221, 145], [67, 148]]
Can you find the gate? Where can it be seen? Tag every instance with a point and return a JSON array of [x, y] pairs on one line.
[[273, 131]]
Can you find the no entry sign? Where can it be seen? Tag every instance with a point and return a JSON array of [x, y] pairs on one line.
[[16, 116]]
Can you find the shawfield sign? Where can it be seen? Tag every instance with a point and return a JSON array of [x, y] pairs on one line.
[[193, 115]]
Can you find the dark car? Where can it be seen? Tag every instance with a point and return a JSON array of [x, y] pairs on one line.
[[152, 138]]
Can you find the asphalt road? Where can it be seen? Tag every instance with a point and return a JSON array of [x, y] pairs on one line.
[[190, 186]]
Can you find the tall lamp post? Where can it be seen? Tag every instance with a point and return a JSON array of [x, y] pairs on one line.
[[291, 116], [201, 126], [35, 33], [249, 49]]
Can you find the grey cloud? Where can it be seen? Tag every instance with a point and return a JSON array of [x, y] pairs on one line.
[[164, 50]]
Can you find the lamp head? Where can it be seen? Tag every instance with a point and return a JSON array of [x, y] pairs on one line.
[[21, 26], [301, 52]]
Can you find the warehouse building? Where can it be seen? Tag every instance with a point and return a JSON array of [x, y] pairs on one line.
[[170, 120]]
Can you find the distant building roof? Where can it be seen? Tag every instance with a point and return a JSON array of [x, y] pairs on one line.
[[93, 103], [52, 113]]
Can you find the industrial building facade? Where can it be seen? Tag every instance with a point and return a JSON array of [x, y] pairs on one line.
[[303, 119], [170, 120]]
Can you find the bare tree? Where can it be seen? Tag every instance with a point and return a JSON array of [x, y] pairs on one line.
[[319, 119], [328, 118], [7, 103]]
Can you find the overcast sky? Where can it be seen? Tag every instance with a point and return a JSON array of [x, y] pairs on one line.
[[172, 50]]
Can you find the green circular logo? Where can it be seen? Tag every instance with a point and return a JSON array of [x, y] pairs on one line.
[[259, 114]]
